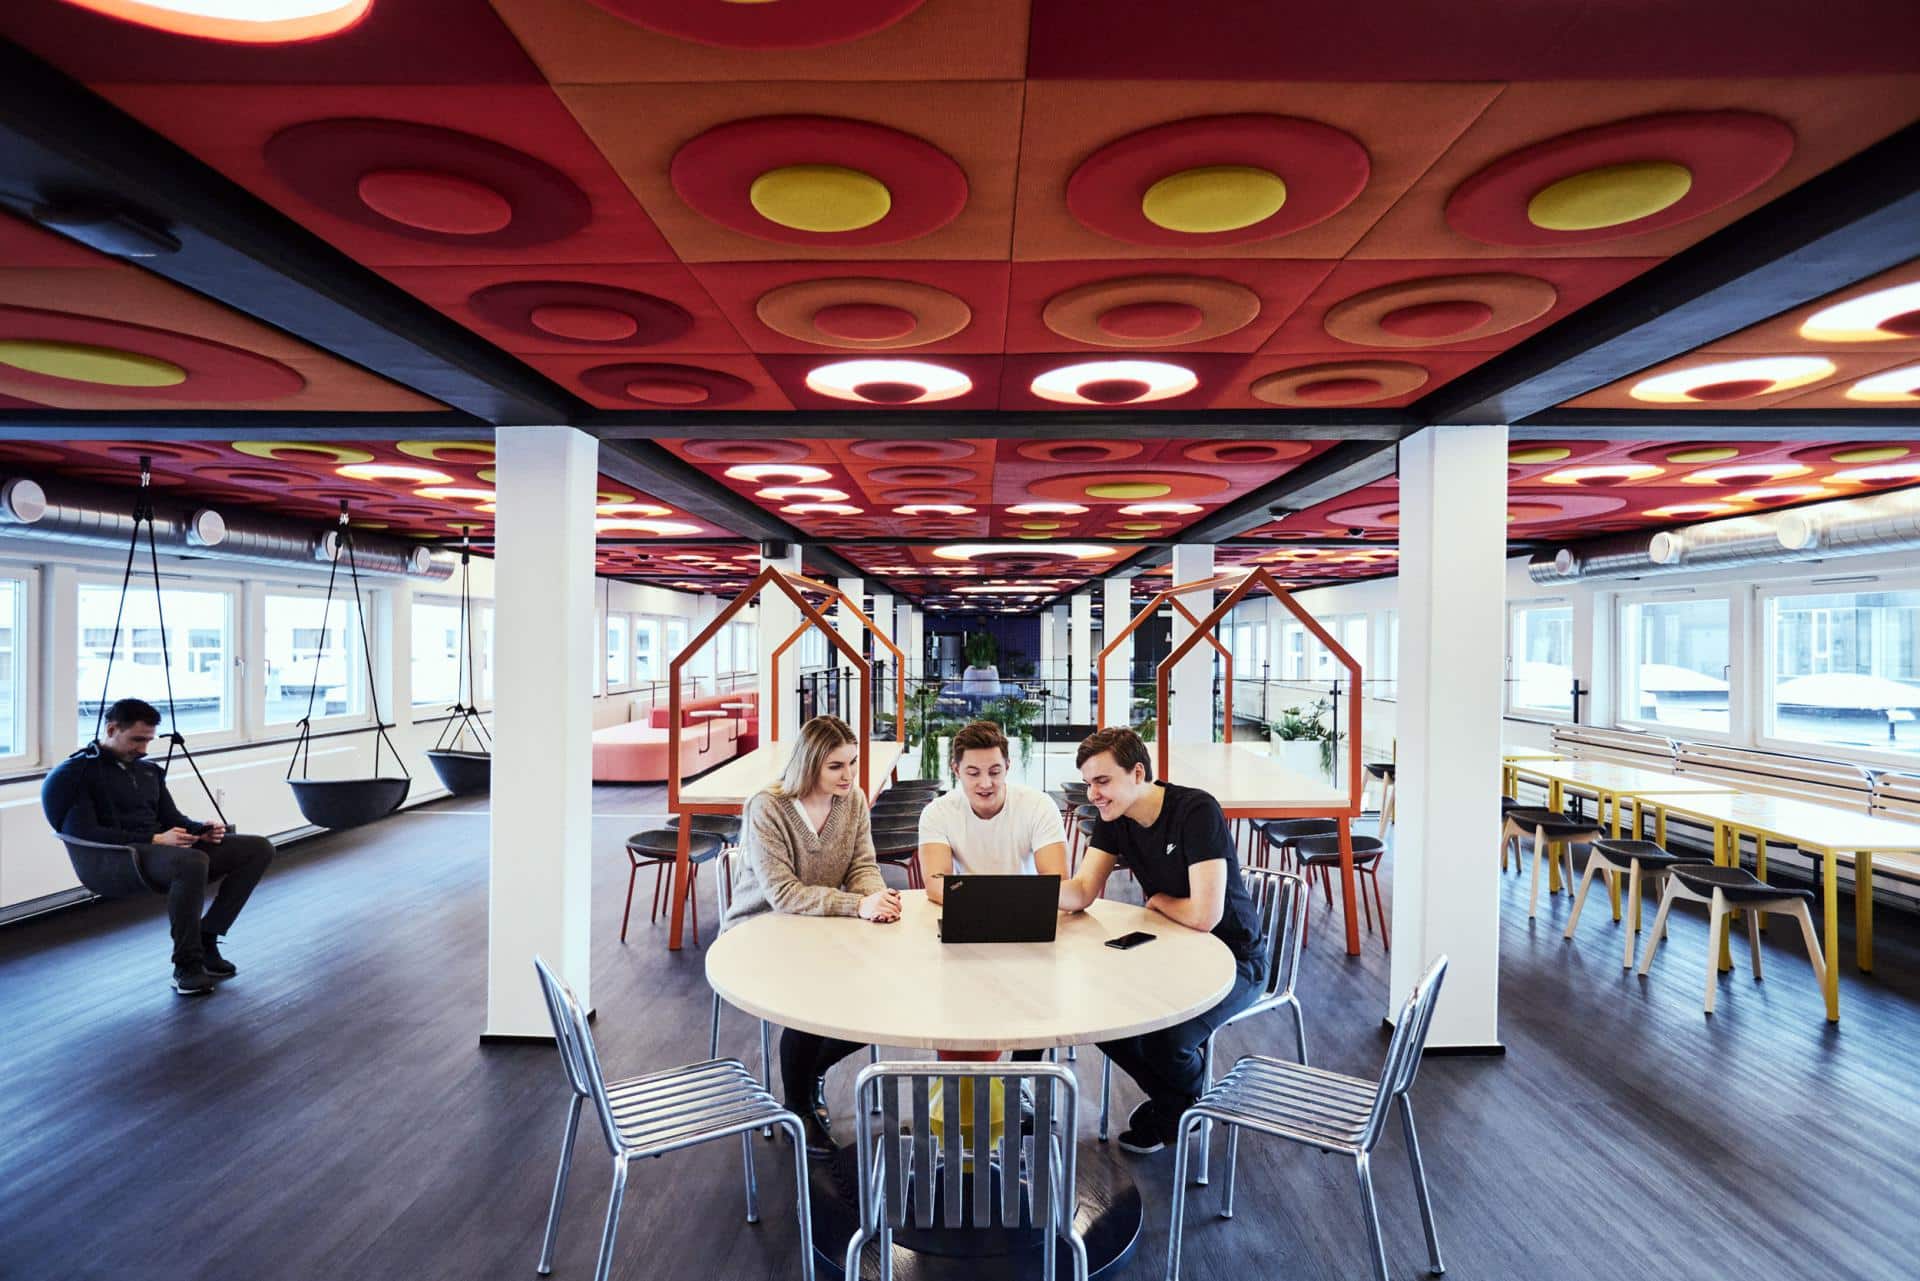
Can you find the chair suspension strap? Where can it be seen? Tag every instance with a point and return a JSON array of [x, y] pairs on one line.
[[302, 746], [366, 650]]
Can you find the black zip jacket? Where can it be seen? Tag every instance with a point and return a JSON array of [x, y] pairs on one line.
[[93, 796]]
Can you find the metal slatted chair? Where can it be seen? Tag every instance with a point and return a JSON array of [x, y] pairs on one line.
[[1281, 900], [927, 1175], [658, 1113], [1325, 1110]]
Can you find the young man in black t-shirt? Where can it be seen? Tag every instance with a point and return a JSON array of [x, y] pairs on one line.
[[1175, 842]]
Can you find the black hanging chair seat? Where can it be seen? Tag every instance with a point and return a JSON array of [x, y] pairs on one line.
[[111, 871], [346, 802], [462, 773]]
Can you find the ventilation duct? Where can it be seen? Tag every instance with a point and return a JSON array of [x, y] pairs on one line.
[[104, 519], [1848, 527]]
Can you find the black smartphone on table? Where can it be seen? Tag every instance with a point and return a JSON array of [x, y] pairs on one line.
[[1134, 939]]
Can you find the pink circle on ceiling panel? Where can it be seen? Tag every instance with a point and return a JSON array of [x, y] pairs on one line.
[[902, 497], [665, 384], [758, 25], [325, 162], [1150, 321], [439, 202], [864, 321], [1436, 321], [170, 452], [913, 451], [923, 474], [1247, 451], [582, 312], [733, 452], [1079, 451]]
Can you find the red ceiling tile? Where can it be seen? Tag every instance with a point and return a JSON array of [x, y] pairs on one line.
[[738, 288]]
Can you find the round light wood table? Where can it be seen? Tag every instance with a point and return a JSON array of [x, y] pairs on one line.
[[897, 985]]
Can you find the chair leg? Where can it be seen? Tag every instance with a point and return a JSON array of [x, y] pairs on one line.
[[1233, 1164], [1106, 1094], [659, 882], [1380, 905], [1373, 1217], [1659, 930], [1753, 941], [753, 1183], [1633, 911], [1201, 1167], [1181, 1153], [1716, 925], [1434, 1265], [693, 899], [766, 1069], [633, 872], [1798, 910], [614, 1200], [713, 1030], [1580, 896], [1300, 1030], [1539, 850], [803, 1198], [560, 1186]]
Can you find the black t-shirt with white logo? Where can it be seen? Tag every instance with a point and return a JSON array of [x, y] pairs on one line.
[[1191, 829]]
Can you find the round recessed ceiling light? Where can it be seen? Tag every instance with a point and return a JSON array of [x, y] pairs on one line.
[[822, 509], [1047, 509], [1073, 551], [888, 381], [1782, 493], [632, 509], [659, 528], [237, 21], [1161, 509], [757, 472], [1603, 474], [933, 509], [1732, 380], [1881, 316], [394, 471], [1745, 473], [1878, 475], [1692, 509], [444, 492], [1114, 382], [1895, 386], [811, 493]]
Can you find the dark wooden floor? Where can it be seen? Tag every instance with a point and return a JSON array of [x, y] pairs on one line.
[[329, 1114]]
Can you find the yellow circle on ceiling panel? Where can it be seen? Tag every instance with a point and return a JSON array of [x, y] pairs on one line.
[[486, 474], [1129, 490], [1040, 524], [1871, 454], [80, 363], [1149, 526], [285, 448], [1609, 196], [444, 451], [822, 198], [1214, 198], [1709, 454], [1542, 454]]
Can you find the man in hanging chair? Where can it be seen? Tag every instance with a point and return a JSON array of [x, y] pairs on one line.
[[109, 792]]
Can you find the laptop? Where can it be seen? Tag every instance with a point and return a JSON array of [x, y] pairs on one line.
[[1000, 909]]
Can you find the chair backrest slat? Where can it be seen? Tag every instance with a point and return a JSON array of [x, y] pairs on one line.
[[950, 1135], [922, 1150], [982, 1158], [1041, 1162], [1404, 1050], [896, 1171], [1280, 899], [574, 1039]]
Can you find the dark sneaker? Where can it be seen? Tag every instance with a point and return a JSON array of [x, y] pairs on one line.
[[214, 963], [191, 980], [813, 1123], [1146, 1131]]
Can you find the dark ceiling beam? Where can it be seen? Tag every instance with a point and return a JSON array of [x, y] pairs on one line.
[[62, 145], [1785, 423], [937, 424], [195, 424], [1859, 218], [649, 467]]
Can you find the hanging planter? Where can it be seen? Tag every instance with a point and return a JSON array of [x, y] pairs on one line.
[[346, 802], [464, 771]]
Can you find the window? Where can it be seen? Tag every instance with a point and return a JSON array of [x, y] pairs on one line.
[[1241, 647], [14, 593], [813, 649], [648, 663], [1540, 659], [308, 665], [437, 678], [1389, 664], [1675, 663], [676, 639], [619, 676], [1259, 655], [1293, 661], [742, 654], [1352, 635], [1843, 668], [197, 658]]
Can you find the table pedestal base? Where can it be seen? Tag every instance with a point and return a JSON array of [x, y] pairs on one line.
[[1109, 1221]]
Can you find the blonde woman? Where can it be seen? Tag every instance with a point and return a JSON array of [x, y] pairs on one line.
[[807, 849]]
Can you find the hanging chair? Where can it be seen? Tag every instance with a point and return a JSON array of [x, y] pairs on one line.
[[345, 802], [464, 772], [115, 871]]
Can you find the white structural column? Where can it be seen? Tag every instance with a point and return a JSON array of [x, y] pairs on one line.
[[1054, 621], [1080, 657], [906, 634], [1446, 884], [541, 856], [1192, 711], [882, 616], [855, 590], [1117, 676], [778, 618]]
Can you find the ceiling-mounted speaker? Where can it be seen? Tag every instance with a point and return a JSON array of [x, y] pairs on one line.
[[111, 227]]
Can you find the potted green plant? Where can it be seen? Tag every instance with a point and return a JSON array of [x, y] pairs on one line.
[[981, 676], [1304, 738], [1015, 716]]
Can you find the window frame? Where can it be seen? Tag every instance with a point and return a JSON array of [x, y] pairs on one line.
[[1739, 691], [1763, 707], [369, 605], [232, 697], [28, 647], [1510, 706], [415, 601]]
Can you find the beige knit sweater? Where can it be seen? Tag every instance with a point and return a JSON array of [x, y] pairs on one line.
[[786, 867]]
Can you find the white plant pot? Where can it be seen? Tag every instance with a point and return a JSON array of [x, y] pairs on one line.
[[1302, 756]]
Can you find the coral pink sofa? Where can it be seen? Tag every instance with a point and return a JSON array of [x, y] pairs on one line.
[[636, 752]]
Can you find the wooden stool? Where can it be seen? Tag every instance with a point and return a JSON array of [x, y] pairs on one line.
[[1728, 891], [1635, 858], [1553, 834]]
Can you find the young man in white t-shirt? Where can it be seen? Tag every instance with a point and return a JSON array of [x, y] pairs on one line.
[[988, 825]]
